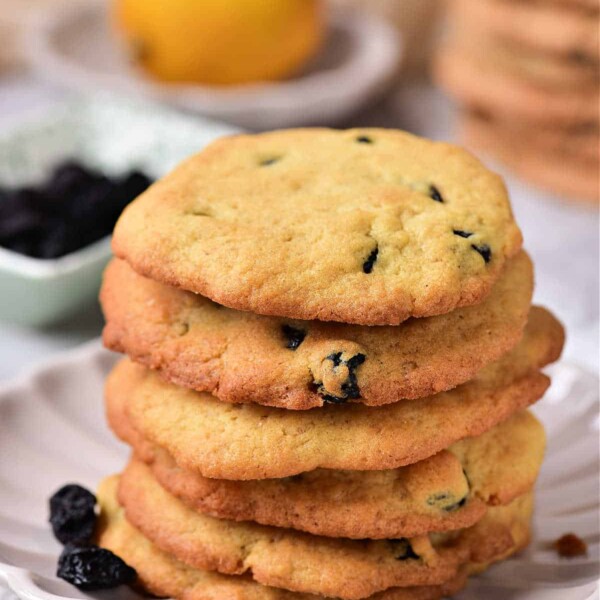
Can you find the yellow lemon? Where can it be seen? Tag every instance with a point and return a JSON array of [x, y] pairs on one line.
[[221, 41]]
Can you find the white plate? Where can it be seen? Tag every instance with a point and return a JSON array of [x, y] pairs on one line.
[[53, 431], [362, 53]]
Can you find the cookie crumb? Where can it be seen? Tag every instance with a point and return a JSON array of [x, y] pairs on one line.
[[570, 545]]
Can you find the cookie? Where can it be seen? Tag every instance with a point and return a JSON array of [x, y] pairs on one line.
[[582, 143], [541, 68], [543, 26], [502, 532], [241, 357], [360, 226], [448, 491], [164, 576], [592, 5], [253, 442], [296, 561], [566, 174], [481, 84]]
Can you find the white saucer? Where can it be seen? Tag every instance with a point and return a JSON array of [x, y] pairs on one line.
[[362, 53], [53, 431]]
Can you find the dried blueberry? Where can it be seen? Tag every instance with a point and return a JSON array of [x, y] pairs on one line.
[[456, 506], [444, 502], [484, 250], [24, 222], [402, 549], [72, 514], [368, 264], [294, 337], [93, 568], [349, 387], [269, 161], [577, 56], [68, 179], [59, 240], [435, 194], [461, 233], [100, 203], [75, 207], [363, 139], [134, 184]]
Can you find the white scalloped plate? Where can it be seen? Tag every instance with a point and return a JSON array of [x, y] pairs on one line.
[[52, 431]]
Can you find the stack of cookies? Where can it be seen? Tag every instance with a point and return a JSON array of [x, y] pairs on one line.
[[331, 354], [527, 73]]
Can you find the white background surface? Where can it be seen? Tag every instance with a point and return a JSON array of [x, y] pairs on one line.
[[562, 237]]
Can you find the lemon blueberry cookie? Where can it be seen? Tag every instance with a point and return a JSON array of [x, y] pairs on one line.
[[504, 531], [349, 569], [508, 94], [253, 442], [542, 68], [579, 142], [242, 357], [297, 561], [450, 490], [162, 574], [364, 226], [565, 30], [528, 77], [571, 167]]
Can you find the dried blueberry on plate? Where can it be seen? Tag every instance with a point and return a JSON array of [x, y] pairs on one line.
[[89, 567], [93, 568], [72, 514]]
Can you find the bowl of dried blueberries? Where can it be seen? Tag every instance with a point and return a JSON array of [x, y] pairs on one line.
[[55, 237], [65, 178]]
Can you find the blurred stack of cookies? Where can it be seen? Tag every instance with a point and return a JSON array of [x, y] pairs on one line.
[[331, 355], [527, 73]]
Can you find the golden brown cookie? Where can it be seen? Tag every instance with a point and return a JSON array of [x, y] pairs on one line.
[[367, 226], [482, 84], [567, 29], [241, 357], [293, 560], [253, 442], [163, 575], [539, 67], [445, 492], [580, 143], [563, 172]]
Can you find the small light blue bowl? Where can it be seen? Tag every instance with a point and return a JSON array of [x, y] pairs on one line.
[[39, 292], [112, 135]]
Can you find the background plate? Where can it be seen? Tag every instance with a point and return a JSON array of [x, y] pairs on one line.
[[356, 64], [53, 431]]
